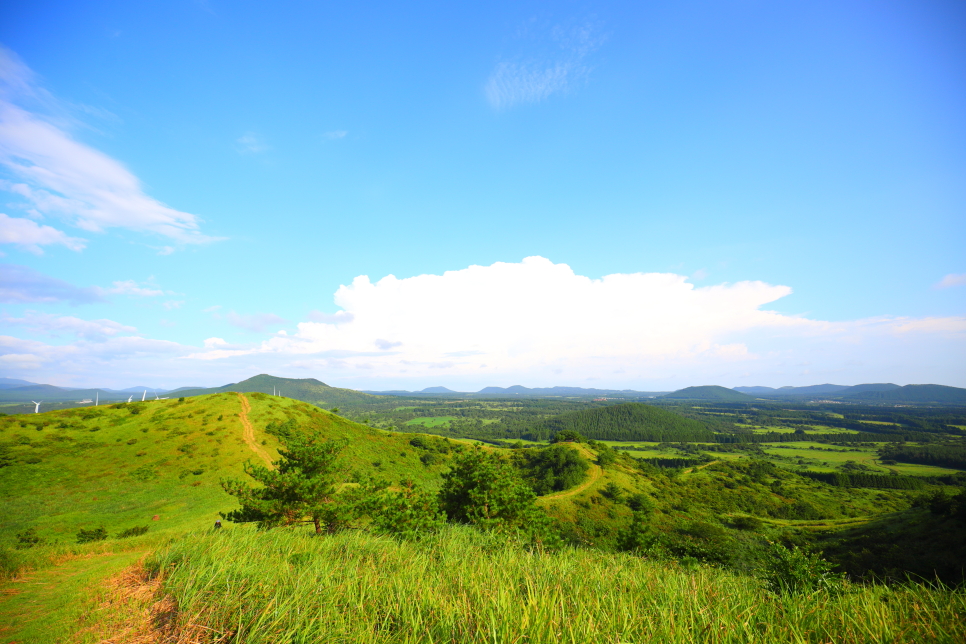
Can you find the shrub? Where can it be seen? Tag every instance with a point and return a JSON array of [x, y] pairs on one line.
[[789, 571], [568, 436], [28, 539], [747, 523], [136, 531], [87, 536]]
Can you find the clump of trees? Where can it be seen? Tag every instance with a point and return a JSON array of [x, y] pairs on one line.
[[308, 486]]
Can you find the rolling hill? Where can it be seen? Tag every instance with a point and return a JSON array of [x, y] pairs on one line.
[[306, 389], [709, 392]]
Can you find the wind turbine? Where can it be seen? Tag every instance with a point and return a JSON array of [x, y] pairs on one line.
[[130, 397], [37, 408], [97, 398], [144, 394]]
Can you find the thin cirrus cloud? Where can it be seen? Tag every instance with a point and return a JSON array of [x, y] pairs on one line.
[[251, 143], [335, 135], [23, 285], [554, 61], [32, 236], [257, 322], [551, 323], [130, 287], [56, 175], [57, 325], [950, 280]]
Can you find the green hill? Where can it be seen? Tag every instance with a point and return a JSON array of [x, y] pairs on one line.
[[626, 422], [940, 394], [709, 392], [306, 389], [117, 466]]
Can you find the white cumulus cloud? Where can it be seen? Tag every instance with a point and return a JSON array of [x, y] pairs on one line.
[[539, 321]]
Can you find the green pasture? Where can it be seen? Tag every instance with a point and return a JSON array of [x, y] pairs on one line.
[[431, 421]]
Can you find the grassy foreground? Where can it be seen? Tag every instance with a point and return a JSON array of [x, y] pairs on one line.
[[240, 585]]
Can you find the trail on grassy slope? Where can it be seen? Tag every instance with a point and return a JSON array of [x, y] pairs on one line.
[[249, 433], [595, 473]]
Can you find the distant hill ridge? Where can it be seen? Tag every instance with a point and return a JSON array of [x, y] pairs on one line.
[[709, 392]]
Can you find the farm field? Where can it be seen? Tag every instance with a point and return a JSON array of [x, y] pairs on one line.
[[432, 421]]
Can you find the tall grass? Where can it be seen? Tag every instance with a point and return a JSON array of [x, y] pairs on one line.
[[463, 586]]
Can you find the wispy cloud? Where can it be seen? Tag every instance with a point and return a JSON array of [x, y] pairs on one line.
[[953, 279], [56, 325], [335, 134], [173, 304], [23, 285], [31, 236], [251, 143], [60, 176], [553, 61], [257, 322], [130, 287]]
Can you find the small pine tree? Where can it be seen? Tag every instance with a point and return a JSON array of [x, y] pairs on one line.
[[483, 490], [301, 489]]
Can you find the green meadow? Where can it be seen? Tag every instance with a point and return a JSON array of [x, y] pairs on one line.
[[641, 552]]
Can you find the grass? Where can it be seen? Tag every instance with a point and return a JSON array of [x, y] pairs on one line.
[[45, 606], [431, 421], [816, 455], [463, 586]]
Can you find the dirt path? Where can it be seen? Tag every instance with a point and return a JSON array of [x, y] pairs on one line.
[[249, 433], [595, 473]]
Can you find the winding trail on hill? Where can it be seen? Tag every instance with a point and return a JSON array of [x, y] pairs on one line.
[[595, 473], [249, 433]]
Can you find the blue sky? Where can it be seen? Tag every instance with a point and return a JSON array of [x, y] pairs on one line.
[[736, 193]]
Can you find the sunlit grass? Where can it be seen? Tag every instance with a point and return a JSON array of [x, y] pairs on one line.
[[461, 586]]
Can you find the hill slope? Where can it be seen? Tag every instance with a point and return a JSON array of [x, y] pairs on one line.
[[117, 466], [629, 421], [709, 392]]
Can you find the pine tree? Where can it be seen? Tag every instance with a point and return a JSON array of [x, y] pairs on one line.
[[301, 488]]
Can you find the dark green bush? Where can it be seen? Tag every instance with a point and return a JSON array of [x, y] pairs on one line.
[[136, 531], [87, 536]]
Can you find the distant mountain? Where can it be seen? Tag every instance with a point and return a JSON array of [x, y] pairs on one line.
[[50, 393], [306, 389], [756, 391], [858, 389], [810, 390], [9, 383], [708, 392], [137, 390], [519, 390], [437, 390], [940, 394]]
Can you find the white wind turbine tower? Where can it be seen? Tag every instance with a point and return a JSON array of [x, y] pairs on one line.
[[130, 397], [37, 408], [97, 398], [144, 394]]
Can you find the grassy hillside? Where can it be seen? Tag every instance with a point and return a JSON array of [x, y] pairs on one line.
[[628, 421], [119, 466], [673, 515], [464, 586], [709, 392], [305, 389]]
